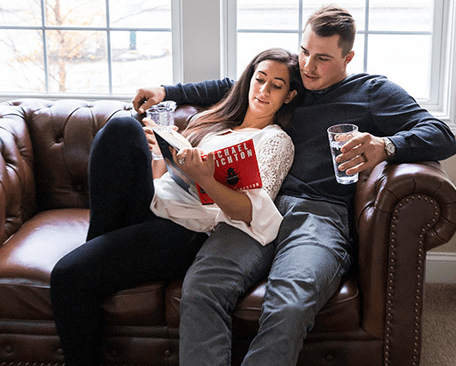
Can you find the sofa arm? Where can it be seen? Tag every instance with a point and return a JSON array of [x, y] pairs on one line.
[[401, 211], [17, 183]]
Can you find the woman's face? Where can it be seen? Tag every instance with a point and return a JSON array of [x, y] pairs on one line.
[[269, 89]]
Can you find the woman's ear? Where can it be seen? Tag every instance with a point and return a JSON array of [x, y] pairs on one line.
[[290, 96]]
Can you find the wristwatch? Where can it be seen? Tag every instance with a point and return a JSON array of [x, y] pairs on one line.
[[390, 148]]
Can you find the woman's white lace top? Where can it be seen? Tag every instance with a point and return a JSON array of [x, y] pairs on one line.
[[275, 152]]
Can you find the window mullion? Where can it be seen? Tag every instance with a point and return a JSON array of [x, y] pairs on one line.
[[435, 95], [45, 54], [300, 23], [108, 47], [366, 35], [176, 25], [228, 38]]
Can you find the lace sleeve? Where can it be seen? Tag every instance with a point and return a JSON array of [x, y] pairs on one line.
[[274, 159]]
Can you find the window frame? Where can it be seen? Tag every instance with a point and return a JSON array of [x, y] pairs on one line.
[[215, 57], [175, 31], [443, 65]]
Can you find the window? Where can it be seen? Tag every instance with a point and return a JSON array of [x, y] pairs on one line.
[[89, 47], [109, 48], [394, 37]]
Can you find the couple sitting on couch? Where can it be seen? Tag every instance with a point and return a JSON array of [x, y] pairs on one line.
[[141, 231]]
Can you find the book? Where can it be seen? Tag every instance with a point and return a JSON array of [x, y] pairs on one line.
[[236, 166]]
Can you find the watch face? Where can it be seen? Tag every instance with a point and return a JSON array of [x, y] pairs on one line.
[[389, 148]]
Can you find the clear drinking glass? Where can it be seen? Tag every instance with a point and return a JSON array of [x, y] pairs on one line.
[[338, 136], [163, 115]]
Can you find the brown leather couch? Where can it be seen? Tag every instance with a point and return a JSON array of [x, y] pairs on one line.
[[402, 211]]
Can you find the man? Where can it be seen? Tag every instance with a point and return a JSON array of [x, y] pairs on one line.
[[314, 247]]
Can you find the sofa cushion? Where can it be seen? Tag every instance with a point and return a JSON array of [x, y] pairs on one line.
[[27, 259], [26, 262]]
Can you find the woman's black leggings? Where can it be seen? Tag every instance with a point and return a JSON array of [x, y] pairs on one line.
[[126, 244]]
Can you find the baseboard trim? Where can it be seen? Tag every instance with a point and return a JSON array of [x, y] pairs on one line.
[[440, 267]]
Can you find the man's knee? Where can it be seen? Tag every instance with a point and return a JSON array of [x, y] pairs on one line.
[[209, 289]]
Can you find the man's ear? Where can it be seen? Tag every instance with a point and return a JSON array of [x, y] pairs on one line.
[[349, 57], [290, 96]]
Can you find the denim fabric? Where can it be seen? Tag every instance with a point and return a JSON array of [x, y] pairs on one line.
[[306, 263], [228, 264]]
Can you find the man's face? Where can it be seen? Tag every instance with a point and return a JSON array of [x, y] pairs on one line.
[[320, 60]]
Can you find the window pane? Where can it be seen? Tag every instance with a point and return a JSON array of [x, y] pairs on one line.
[[150, 63], [140, 13], [356, 8], [268, 14], [393, 15], [401, 59], [77, 62], [80, 61], [70, 13], [356, 65], [250, 44], [22, 59], [24, 12]]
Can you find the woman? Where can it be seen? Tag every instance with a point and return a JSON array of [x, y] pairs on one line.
[[143, 228]]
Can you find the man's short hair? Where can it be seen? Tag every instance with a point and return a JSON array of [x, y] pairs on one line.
[[330, 20]]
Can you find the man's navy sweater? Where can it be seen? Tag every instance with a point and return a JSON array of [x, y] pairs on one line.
[[375, 104]]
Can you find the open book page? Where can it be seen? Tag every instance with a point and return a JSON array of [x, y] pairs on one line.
[[236, 166], [175, 140]]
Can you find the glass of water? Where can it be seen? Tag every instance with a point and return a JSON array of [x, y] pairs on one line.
[[163, 115], [338, 136]]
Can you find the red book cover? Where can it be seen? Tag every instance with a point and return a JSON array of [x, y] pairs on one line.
[[236, 167]]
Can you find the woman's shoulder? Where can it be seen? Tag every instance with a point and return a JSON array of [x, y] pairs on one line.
[[273, 132], [276, 130]]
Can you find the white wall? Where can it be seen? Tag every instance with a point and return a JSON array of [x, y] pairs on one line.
[[200, 34]]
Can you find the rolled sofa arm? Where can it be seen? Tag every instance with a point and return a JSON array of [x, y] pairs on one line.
[[401, 212], [17, 181]]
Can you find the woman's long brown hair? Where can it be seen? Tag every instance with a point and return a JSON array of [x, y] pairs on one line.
[[231, 110]]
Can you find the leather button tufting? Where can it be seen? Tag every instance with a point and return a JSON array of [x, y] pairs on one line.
[[329, 357], [8, 349], [168, 353]]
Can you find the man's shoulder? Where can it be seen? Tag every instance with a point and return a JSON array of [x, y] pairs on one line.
[[371, 84], [364, 78]]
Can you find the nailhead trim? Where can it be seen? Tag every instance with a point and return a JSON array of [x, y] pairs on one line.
[[4, 363], [419, 280]]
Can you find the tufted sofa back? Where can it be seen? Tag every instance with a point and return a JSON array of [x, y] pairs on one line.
[[45, 148]]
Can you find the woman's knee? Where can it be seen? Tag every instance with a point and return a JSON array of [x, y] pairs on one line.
[[121, 127], [70, 274], [64, 274]]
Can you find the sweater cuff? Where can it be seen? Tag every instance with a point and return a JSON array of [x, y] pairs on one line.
[[172, 92]]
